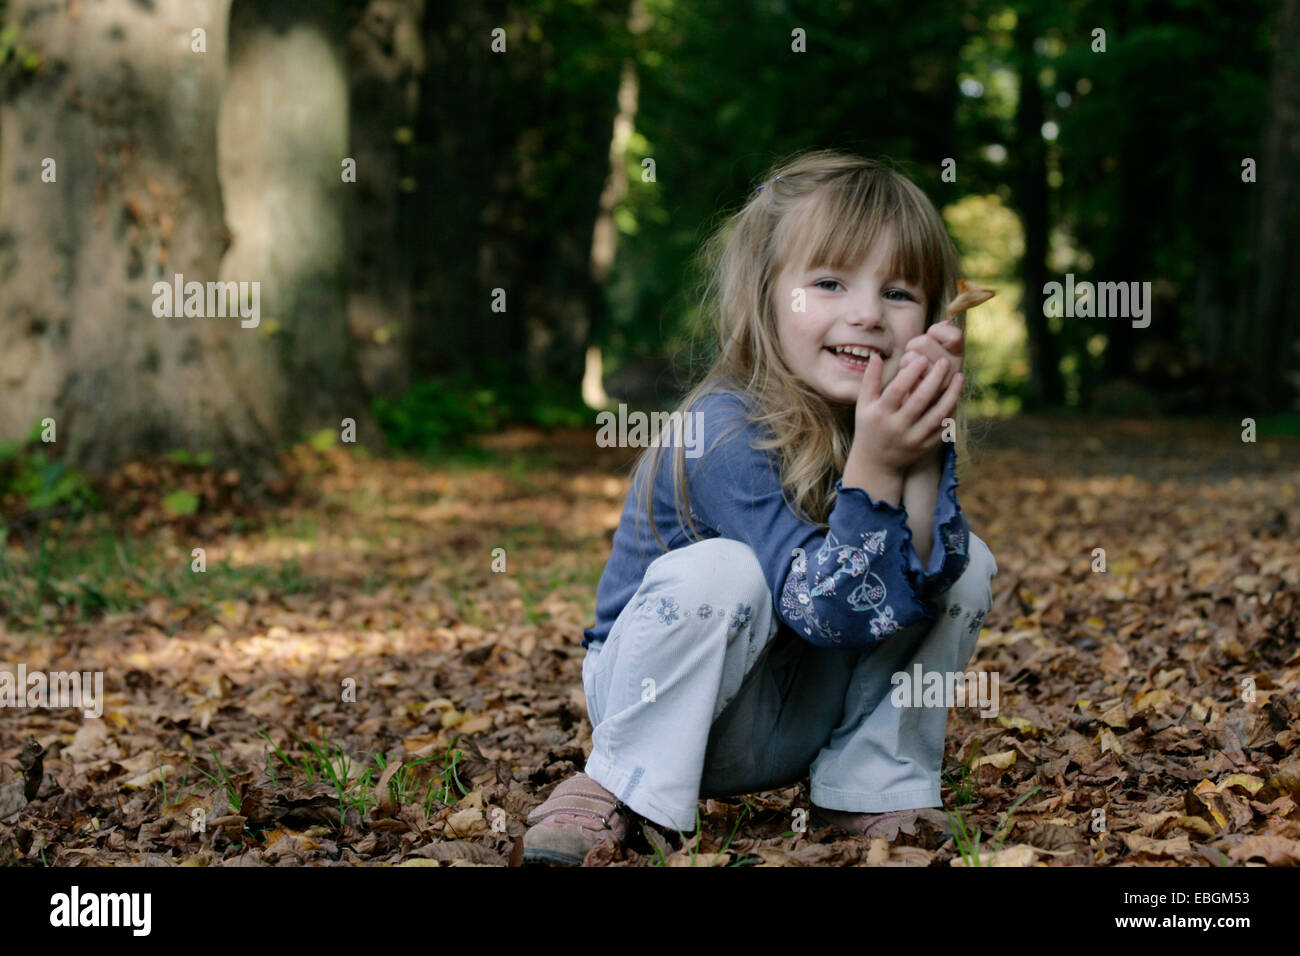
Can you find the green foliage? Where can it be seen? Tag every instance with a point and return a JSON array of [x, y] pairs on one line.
[[331, 764], [964, 789], [968, 843], [442, 413], [1283, 423], [1138, 187], [29, 474], [222, 778], [437, 413], [182, 457], [12, 53], [324, 440], [181, 503]]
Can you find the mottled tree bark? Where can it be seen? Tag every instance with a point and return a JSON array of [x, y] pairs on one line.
[[126, 109], [127, 103]]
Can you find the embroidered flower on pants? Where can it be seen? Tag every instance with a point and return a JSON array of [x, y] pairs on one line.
[[704, 612], [741, 616], [667, 610], [976, 621], [954, 610]]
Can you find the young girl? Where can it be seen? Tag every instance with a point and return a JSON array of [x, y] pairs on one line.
[[762, 594]]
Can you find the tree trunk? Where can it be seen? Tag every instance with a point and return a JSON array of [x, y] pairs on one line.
[[604, 239], [127, 112], [1031, 200], [564, 282], [385, 63], [467, 142], [127, 103], [283, 142], [1272, 329]]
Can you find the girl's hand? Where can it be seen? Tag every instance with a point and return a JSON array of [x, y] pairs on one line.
[[941, 340], [894, 428]]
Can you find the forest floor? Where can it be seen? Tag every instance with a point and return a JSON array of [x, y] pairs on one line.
[[350, 682]]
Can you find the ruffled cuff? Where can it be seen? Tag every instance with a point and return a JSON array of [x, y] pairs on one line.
[[893, 513], [854, 589], [950, 536]]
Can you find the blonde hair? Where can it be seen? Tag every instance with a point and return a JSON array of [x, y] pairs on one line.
[[830, 206]]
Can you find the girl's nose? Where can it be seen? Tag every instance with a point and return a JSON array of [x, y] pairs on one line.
[[868, 314]]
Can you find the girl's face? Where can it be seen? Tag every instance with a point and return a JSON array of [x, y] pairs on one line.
[[868, 309]]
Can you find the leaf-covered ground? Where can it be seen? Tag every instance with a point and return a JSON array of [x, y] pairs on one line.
[[350, 682]]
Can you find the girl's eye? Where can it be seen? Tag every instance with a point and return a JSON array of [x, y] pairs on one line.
[[906, 296]]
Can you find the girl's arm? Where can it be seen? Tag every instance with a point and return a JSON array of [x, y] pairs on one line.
[[849, 585], [899, 459], [920, 496]]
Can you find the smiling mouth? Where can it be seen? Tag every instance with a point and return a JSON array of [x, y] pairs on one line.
[[855, 356]]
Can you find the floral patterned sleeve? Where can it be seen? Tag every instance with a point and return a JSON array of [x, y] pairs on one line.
[[850, 585]]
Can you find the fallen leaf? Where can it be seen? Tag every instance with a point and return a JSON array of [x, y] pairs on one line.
[[457, 850], [1019, 855], [150, 777], [1175, 846], [466, 823], [1273, 850], [1001, 760]]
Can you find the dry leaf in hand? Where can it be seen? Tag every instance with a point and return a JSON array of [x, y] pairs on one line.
[[968, 296]]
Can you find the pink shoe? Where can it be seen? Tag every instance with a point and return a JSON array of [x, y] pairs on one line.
[[578, 814]]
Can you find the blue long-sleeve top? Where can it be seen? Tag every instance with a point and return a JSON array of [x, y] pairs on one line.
[[847, 586]]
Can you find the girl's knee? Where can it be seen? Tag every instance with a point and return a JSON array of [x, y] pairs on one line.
[[975, 584], [974, 589], [715, 578]]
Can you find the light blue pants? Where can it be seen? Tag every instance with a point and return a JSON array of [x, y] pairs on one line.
[[701, 691]]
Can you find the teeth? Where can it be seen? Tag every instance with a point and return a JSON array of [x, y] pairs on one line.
[[854, 350]]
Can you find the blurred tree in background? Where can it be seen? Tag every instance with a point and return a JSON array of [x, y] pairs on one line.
[[529, 183]]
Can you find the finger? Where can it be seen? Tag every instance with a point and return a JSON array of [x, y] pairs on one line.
[[928, 441], [927, 391], [948, 336], [927, 348], [944, 407], [940, 340], [871, 380], [925, 344], [917, 356], [896, 392]]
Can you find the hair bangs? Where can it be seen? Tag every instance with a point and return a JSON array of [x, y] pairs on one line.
[[840, 223], [920, 256]]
